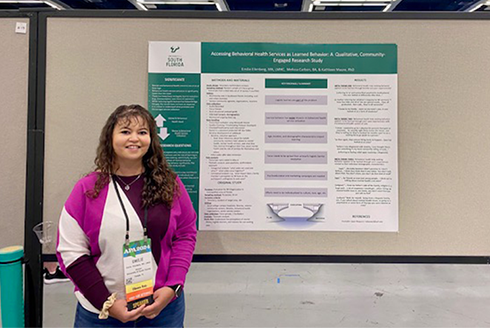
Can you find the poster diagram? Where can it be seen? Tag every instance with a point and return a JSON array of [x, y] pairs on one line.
[[270, 136]]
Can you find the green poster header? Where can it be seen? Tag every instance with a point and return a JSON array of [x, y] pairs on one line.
[[296, 58]]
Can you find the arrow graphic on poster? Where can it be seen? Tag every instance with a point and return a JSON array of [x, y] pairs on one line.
[[163, 133], [159, 120]]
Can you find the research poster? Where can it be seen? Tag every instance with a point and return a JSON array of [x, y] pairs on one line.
[[272, 136]]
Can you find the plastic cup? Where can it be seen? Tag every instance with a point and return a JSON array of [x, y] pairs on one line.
[[44, 232]]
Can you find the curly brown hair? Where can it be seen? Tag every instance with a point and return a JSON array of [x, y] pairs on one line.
[[160, 182]]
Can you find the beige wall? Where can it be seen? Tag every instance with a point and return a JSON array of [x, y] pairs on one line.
[[93, 65], [14, 52]]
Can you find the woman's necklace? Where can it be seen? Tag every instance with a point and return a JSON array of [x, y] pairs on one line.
[[127, 186]]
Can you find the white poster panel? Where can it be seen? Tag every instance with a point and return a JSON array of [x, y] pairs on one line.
[[292, 136]]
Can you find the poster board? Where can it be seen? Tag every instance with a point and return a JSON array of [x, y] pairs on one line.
[[14, 65], [96, 64]]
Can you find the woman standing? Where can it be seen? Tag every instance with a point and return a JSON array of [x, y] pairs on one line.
[[132, 198]]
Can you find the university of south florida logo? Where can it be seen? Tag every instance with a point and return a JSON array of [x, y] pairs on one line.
[[174, 60]]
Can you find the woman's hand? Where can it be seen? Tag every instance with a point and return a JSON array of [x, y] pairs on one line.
[[162, 297], [120, 311]]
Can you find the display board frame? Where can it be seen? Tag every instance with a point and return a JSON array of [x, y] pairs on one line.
[[33, 279], [338, 18]]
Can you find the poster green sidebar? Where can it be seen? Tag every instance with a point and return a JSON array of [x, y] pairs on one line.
[[174, 101]]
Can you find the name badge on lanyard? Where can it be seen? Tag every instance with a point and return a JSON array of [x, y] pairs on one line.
[[138, 265], [138, 273]]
